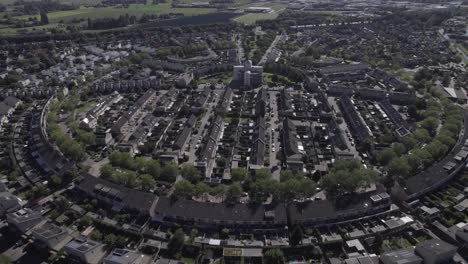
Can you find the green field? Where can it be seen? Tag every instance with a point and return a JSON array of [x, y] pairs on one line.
[[252, 18], [108, 12]]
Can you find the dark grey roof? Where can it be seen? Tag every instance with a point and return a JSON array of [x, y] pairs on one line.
[[11, 101], [4, 109], [131, 198], [353, 119], [434, 247], [216, 213], [182, 138], [403, 256]]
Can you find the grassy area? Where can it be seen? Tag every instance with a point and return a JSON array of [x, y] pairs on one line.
[[111, 12], [250, 19], [12, 30], [225, 77], [405, 75]]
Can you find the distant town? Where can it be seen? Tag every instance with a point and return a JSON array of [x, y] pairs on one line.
[[164, 132]]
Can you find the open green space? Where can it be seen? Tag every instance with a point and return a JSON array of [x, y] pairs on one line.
[[251, 18], [112, 12]]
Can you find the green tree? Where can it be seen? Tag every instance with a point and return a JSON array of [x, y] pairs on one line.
[[239, 174], [399, 167], [169, 172], [262, 174], [153, 168], [201, 188], [190, 173], [44, 18], [106, 171], [296, 236], [96, 235], [347, 176], [399, 149], [273, 256], [386, 156], [184, 189], [147, 182], [234, 192], [110, 240], [176, 242]]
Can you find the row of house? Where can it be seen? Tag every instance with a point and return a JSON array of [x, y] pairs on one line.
[[126, 86], [7, 108]]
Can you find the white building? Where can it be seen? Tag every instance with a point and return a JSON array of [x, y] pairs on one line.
[[83, 250], [24, 219], [247, 75]]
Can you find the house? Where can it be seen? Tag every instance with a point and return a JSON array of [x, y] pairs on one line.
[[124, 256], [247, 75], [185, 79], [242, 255], [51, 236], [291, 146], [259, 144], [402, 256], [354, 119], [435, 251], [8, 203], [84, 250], [89, 122], [24, 219], [12, 102]]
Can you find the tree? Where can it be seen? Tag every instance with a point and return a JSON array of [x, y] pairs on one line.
[[190, 173], [218, 190], [96, 235], [399, 149], [84, 221], [286, 175], [262, 174], [347, 176], [169, 172], [234, 192], [44, 18], [176, 242], [110, 240], [183, 188], [273, 256], [200, 189], [147, 182], [296, 236], [106, 171], [238, 174], [399, 167], [153, 168], [421, 135], [386, 156], [122, 160]]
